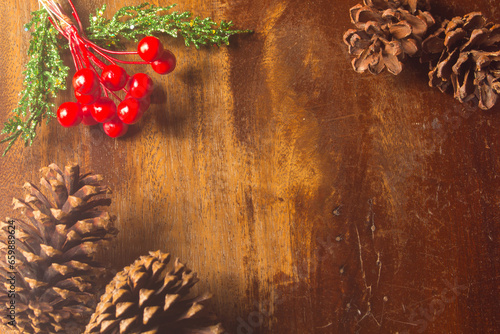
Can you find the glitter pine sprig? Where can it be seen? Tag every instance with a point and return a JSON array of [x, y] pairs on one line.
[[131, 22], [46, 74]]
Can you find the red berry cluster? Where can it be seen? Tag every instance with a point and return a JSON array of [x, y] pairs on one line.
[[93, 108]]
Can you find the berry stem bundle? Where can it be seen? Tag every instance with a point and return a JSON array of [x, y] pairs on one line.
[[97, 72], [94, 51], [83, 50]]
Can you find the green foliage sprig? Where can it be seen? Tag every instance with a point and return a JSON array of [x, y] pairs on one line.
[[45, 75], [131, 22]]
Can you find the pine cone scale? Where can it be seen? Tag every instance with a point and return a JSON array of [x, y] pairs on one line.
[[127, 324], [454, 37], [122, 309], [33, 191], [400, 30], [477, 37], [71, 177], [410, 47]]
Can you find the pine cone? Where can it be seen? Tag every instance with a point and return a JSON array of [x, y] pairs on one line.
[[387, 31], [55, 271], [149, 297], [465, 54]]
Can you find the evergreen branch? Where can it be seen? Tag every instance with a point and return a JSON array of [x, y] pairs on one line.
[[131, 22], [45, 75]]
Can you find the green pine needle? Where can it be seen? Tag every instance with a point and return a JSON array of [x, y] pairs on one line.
[[45, 75], [133, 22]]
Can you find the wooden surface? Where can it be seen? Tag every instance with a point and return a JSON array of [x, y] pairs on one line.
[[309, 198]]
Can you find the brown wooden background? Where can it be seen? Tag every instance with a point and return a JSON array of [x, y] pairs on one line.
[[247, 153]]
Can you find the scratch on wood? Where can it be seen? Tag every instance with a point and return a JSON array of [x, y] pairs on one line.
[[371, 218], [379, 264], [379, 324], [369, 288], [367, 313], [402, 322], [325, 326]]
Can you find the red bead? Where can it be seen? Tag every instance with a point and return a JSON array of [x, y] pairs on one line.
[[88, 98], [115, 128], [69, 114], [88, 119], [165, 64], [129, 111], [85, 81], [104, 109], [145, 103], [150, 48], [140, 85], [114, 77]]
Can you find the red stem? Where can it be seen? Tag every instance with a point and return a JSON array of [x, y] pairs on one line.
[[95, 46], [76, 60], [131, 62], [108, 58], [75, 52], [58, 28], [75, 15], [114, 60], [104, 88], [97, 61], [101, 51], [116, 96], [100, 81], [83, 50], [84, 61]]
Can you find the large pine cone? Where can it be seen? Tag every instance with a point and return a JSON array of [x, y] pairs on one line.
[[151, 297], [465, 54], [387, 31], [55, 270]]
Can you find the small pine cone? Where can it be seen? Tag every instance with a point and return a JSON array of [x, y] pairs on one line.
[[464, 54], [386, 32], [151, 297], [55, 270]]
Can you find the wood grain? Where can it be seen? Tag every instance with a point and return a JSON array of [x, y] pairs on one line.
[[309, 198]]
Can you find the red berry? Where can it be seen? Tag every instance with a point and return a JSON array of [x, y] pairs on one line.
[[165, 64], [88, 98], [85, 81], [114, 77], [104, 109], [69, 114], [88, 119], [140, 85], [129, 111], [150, 48], [115, 128], [145, 102]]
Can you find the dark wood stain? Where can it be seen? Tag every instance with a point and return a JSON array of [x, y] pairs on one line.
[[309, 198]]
